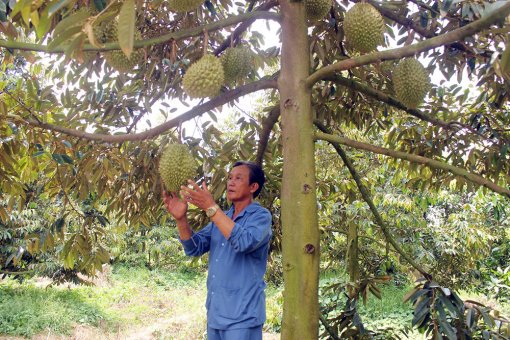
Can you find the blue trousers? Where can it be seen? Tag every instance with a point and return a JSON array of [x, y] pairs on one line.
[[254, 333]]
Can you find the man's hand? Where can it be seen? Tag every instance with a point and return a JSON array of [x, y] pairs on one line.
[[198, 196], [175, 206]]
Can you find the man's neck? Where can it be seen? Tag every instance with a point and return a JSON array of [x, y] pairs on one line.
[[239, 206]]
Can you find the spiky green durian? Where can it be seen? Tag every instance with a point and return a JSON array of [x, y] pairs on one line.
[[317, 9], [364, 28], [204, 78], [119, 61], [411, 82], [237, 63], [176, 166], [105, 32], [184, 5]]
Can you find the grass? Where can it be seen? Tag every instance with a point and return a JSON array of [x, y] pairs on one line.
[[132, 297], [160, 304]]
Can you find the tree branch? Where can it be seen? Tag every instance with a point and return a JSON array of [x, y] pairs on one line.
[[385, 98], [182, 34], [368, 199], [267, 127], [328, 327], [413, 49], [156, 131], [243, 26], [416, 159], [360, 236]]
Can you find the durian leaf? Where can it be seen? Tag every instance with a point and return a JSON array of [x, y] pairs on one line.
[[126, 27], [69, 22], [56, 6], [505, 60]]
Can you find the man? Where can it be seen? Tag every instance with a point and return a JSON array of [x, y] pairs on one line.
[[238, 242]]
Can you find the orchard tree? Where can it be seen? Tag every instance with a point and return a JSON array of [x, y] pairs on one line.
[[80, 76]]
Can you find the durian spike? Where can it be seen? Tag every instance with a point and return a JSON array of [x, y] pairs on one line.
[[179, 130]]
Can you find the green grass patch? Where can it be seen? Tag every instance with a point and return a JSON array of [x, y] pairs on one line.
[[130, 297], [26, 310]]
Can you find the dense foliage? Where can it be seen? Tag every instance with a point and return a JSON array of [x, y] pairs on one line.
[[79, 142]]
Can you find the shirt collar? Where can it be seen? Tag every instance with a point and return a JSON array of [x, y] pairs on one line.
[[250, 208]]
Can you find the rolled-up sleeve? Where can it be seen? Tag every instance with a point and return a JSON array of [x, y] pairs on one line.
[[253, 233], [199, 243]]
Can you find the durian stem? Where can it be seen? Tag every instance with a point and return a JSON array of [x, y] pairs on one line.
[[206, 42]]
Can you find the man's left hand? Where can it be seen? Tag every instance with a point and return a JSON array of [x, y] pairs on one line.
[[198, 196]]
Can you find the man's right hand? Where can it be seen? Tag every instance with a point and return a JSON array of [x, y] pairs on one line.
[[175, 205]]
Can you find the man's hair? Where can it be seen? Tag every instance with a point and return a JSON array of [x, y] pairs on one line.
[[256, 174]]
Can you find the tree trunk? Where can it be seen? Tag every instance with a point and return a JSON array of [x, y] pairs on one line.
[[300, 240]]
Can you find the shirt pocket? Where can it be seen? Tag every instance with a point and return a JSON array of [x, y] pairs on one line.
[[229, 303]]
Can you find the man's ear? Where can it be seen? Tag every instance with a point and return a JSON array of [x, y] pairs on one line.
[[254, 187]]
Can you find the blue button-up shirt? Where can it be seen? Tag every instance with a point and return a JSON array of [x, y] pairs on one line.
[[235, 283]]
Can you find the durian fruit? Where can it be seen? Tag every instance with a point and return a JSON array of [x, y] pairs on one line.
[[237, 63], [106, 31], [204, 77], [119, 61], [176, 166], [411, 82], [317, 9], [184, 5], [364, 27]]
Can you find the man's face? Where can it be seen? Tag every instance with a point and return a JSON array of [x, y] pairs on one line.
[[238, 184]]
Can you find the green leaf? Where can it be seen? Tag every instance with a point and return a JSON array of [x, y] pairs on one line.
[[64, 37], [505, 60], [470, 318], [67, 159], [415, 295], [73, 20], [447, 329], [448, 304], [58, 158], [3, 11], [56, 6], [44, 24], [419, 317], [126, 27]]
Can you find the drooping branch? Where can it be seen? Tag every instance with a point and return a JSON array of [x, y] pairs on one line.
[[244, 26], [385, 98], [267, 127], [158, 130], [368, 199], [477, 179], [182, 34], [413, 49]]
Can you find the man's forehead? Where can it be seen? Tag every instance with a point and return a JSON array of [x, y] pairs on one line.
[[240, 170]]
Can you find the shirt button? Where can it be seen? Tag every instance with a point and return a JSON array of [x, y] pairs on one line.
[[213, 276], [216, 260], [212, 293], [223, 244]]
